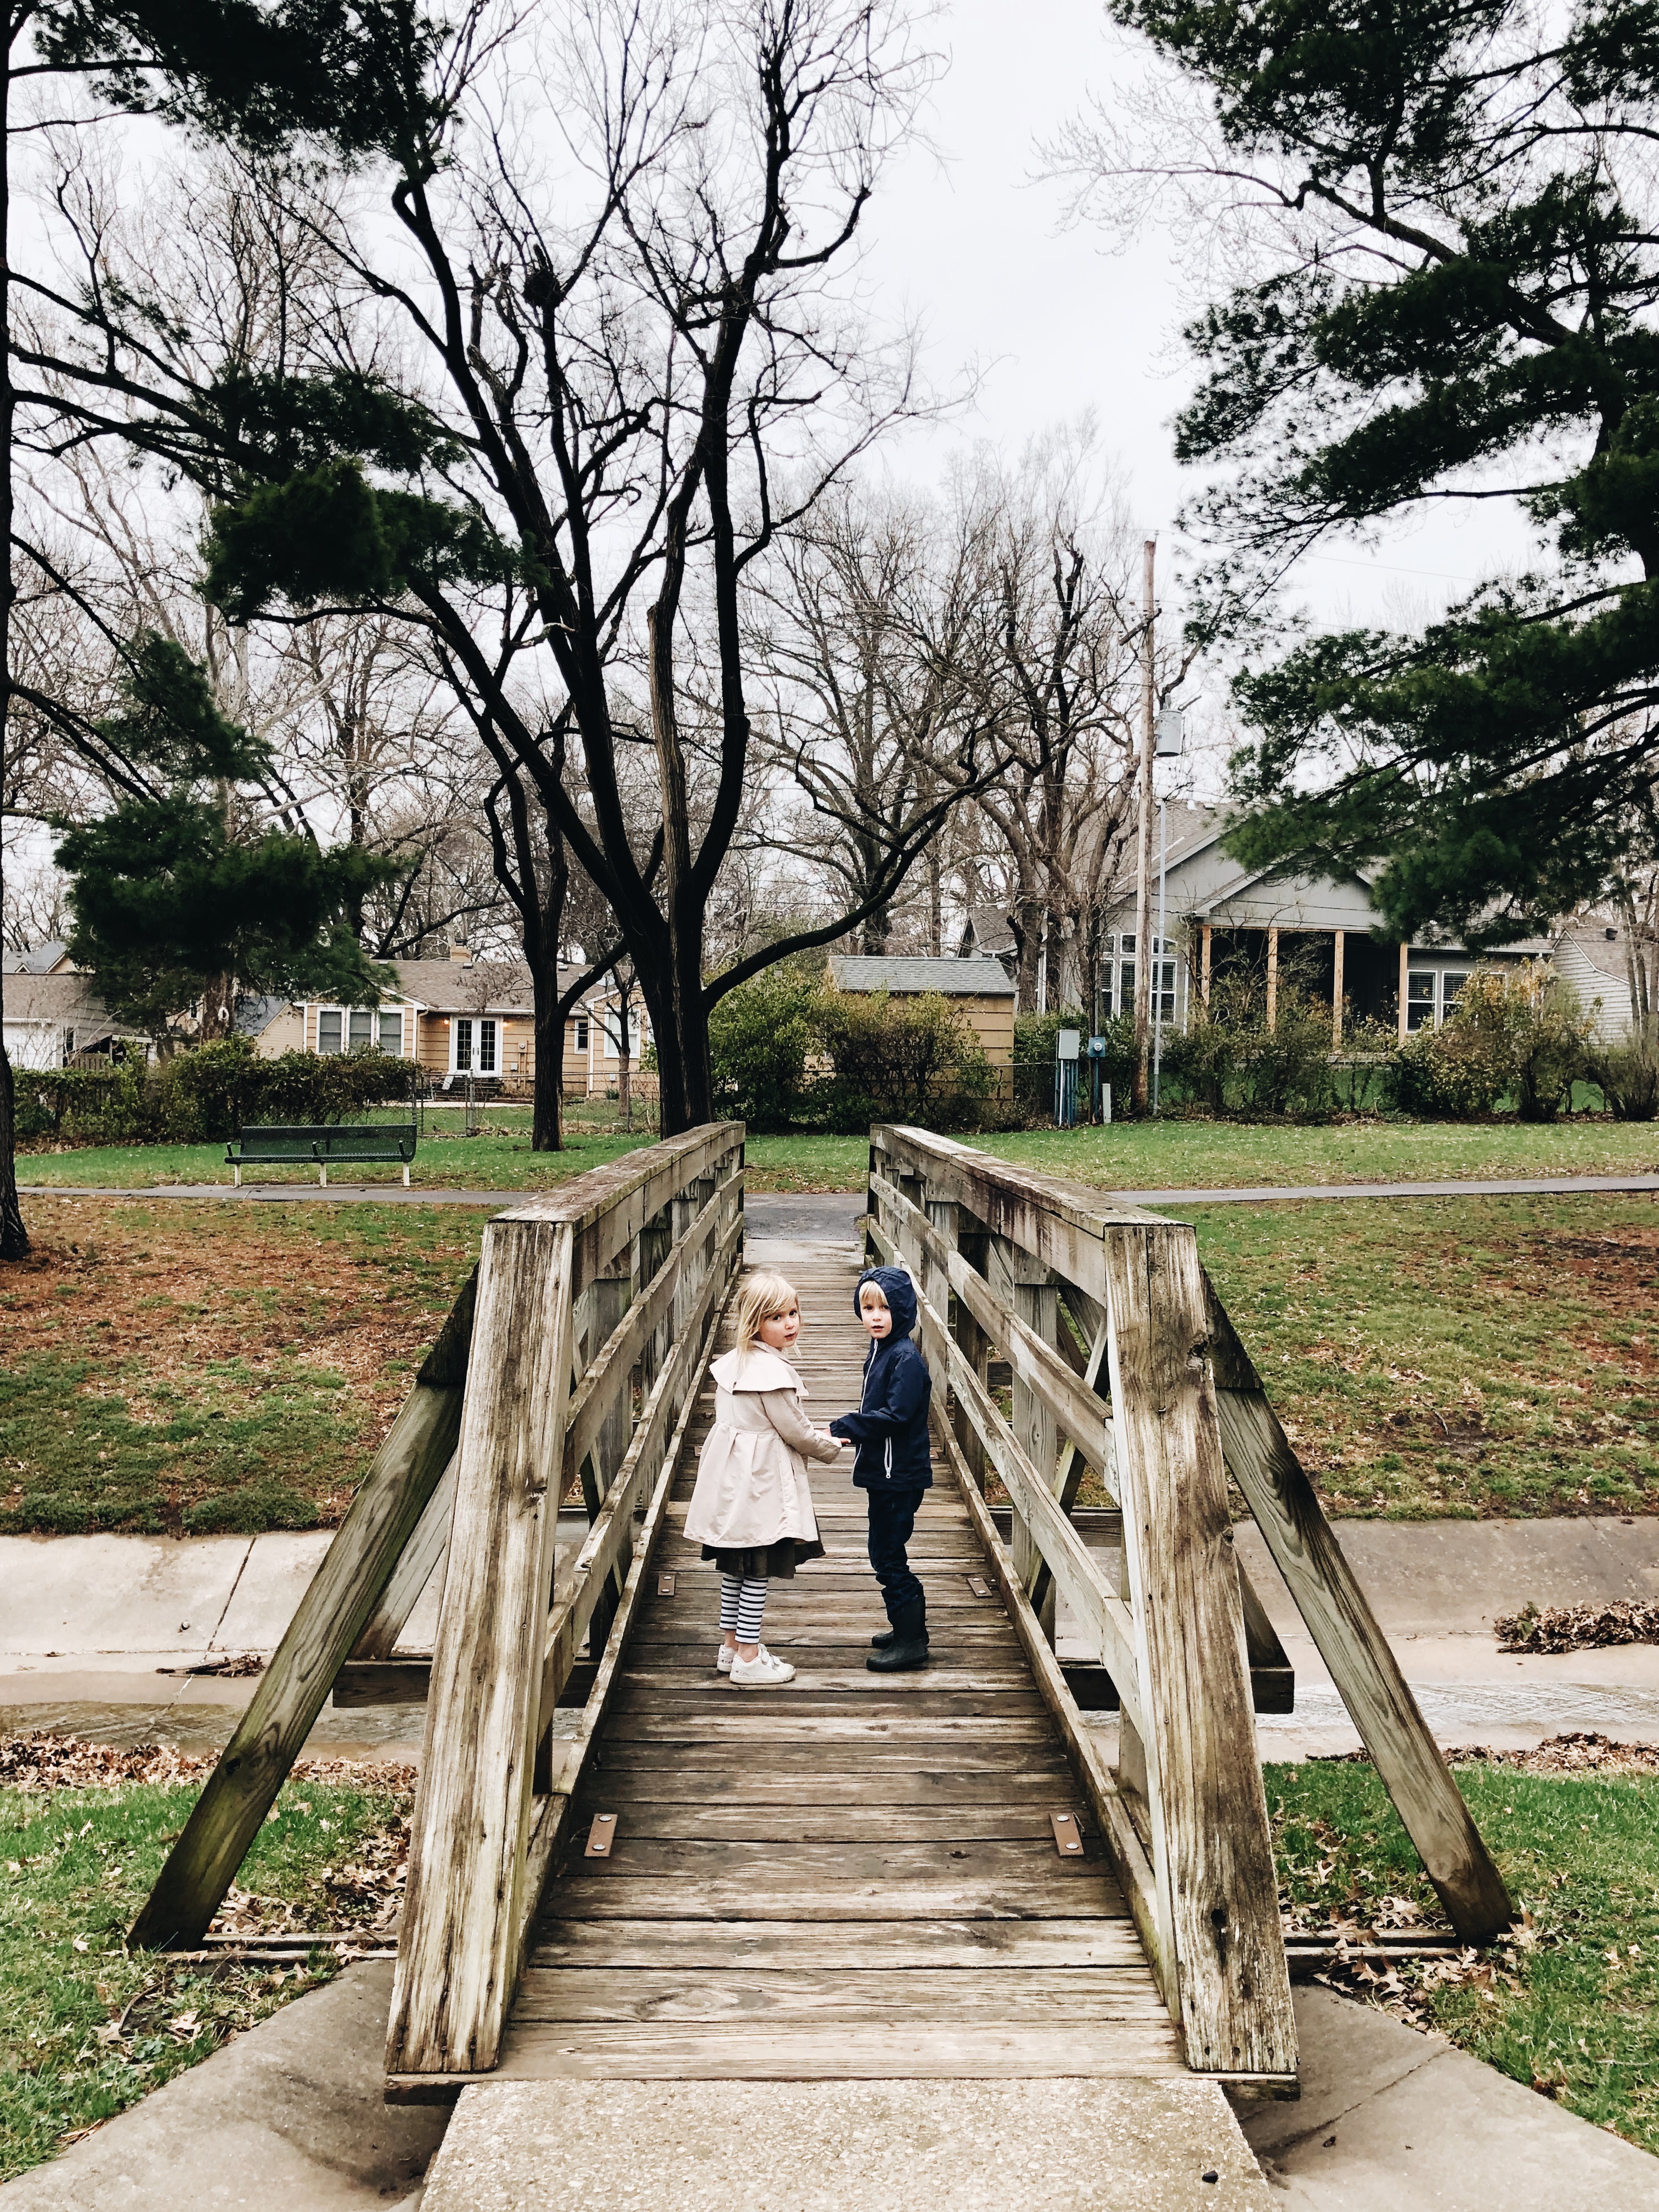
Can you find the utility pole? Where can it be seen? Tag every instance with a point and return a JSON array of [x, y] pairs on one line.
[[1144, 951]]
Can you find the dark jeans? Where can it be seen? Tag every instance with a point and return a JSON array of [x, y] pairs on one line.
[[892, 1517]]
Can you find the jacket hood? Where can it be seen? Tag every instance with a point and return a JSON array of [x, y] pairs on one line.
[[759, 1368], [896, 1288]]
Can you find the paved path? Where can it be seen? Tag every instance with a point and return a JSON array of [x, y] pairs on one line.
[[1256, 1194]]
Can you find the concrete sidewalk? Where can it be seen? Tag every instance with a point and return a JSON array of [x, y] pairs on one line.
[[1256, 1194], [91, 1622], [289, 2118]]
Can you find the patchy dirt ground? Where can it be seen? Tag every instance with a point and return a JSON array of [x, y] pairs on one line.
[[196, 1368]]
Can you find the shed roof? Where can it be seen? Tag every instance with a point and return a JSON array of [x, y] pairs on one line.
[[955, 978]]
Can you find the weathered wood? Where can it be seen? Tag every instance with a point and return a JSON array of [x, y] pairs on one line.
[[767, 1946], [415, 1567], [607, 1208], [610, 1541], [330, 1617], [1102, 1616], [593, 1400], [1204, 1786], [473, 1806], [1077, 1409], [854, 1998], [1134, 1870], [1304, 1549]]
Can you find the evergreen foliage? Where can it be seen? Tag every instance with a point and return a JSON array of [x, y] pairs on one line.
[[167, 896], [1460, 303]]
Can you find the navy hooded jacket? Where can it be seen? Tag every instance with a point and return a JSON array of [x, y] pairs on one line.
[[891, 1427]]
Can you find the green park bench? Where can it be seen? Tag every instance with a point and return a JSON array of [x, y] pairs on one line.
[[322, 1145]]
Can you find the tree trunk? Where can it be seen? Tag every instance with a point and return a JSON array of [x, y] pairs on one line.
[[547, 1094], [13, 1237]]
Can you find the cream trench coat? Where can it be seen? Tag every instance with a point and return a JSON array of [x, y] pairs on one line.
[[751, 1476]]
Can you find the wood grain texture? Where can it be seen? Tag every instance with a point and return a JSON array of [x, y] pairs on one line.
[[460, 1921], [609, 1206], [1211, 1837], [328, 1621], [1304, 1549]]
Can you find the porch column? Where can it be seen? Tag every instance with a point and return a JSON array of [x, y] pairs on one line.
[[1204, 966], [1272, 978], [1336, 993], [1405, 961]]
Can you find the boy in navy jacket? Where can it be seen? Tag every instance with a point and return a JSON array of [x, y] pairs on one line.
[[893, 1465]]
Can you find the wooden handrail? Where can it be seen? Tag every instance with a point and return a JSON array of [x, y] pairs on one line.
[[1178, 1408], [490, 1802]]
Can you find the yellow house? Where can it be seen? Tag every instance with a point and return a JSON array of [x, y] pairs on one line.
[[459, 1018]]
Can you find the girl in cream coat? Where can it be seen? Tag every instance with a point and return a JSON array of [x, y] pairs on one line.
[[751, 1509]]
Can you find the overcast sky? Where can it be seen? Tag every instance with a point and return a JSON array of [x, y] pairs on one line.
[[1058, 324]]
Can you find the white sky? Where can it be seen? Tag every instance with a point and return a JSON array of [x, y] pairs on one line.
[[1058, 324]]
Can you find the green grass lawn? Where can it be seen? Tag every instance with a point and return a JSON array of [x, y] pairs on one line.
[[195, 1370], [85, 2029], [1175, 1155], [1455, 1356], [1571, 2005]]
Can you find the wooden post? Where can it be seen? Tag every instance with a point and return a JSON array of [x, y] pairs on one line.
[[1336, 991], [1204, 964], [1364, 1670], [1404, 962], [454, 1975], [1212, 1846], [331, 1615], [1030, 1289], [1273, 977]]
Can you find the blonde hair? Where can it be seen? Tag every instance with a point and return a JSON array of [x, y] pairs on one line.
[[872, 1294], [762, 1297]]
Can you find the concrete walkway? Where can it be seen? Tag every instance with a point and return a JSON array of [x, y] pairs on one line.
[[1257, 1194], [289, 2118]]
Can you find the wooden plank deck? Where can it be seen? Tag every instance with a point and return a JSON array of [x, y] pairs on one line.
[[852, 1876]]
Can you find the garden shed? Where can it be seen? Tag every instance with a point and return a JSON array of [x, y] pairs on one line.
[[980, 988]]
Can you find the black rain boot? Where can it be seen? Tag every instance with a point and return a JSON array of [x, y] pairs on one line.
[[884, 1642], [908, 1648]]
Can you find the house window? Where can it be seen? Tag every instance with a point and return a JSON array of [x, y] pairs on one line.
[[1451, 989], [360, 1028], [1420, 998], [581, 1033], [330, 1021], [473, 1045], [392, 1030]]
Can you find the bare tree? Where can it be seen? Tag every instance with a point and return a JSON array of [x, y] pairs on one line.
[[873, 630]]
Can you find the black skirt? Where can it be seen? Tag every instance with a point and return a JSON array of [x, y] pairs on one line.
[[763, 1563]]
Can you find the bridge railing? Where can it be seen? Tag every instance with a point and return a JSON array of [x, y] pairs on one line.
[[571, 1359], [1120, 1359]]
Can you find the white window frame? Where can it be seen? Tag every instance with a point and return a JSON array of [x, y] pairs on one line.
[[1417, 1003], [476, 1024], [376, 1015], [339, 1050]]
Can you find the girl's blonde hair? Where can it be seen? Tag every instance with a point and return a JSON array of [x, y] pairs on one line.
[[762, 1297]]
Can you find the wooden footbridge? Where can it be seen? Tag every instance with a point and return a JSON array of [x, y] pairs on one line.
[[622, 1866]]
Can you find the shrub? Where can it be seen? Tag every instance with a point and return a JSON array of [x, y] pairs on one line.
[[1230, 1060], [1628, 1073], [205, 1092], [1518, 1031], [759, 1037], [897, 1059]]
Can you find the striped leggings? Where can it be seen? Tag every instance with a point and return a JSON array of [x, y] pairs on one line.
[[742, 1604]]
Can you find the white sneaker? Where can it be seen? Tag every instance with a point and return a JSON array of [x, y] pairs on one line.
[[763, 1672], [724, 1658]]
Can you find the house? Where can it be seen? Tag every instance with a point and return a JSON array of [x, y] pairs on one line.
[[463, 1017], [1595, 953], [1222, 916], [988, 932], [981, 988], [51, 958], [52, 1019]]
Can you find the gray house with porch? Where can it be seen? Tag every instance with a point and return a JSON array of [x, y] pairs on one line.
[[1222, 917]]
